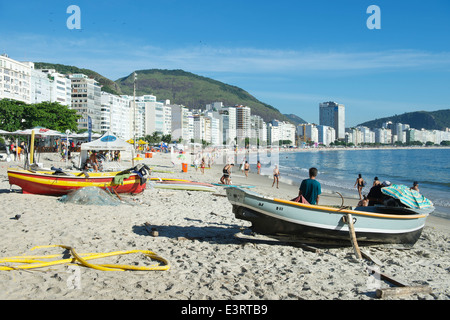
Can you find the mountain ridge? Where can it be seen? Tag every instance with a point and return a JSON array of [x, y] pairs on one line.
[[429, 120]]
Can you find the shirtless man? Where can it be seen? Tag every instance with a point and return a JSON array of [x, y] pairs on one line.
[[93, 161]]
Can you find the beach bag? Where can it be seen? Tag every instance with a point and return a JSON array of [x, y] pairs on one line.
[[300, 199]]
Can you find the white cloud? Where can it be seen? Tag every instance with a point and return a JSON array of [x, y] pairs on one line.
[[101, 53]]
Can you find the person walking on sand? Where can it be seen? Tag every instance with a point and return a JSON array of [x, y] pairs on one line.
[[276, 174], [310, 188], [360, 183], [202, 166], [246, 168], [258, 166]]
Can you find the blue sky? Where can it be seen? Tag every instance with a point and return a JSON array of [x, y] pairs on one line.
[[289, 54]]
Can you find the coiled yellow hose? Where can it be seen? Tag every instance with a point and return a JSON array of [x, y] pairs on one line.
[[32, 262]]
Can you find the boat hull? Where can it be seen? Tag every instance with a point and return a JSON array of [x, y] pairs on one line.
[[322, 225], [46, 183]]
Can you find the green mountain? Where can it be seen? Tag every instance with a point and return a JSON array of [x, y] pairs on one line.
[[178, 86], [435, 120], [295, 119], [194, 91]]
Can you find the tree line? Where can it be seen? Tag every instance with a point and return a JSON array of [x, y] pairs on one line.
[[17, 115]]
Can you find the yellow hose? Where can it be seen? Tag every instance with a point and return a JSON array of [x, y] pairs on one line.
[[33, 262]]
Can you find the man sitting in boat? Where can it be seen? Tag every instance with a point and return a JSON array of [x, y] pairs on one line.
[[310, 188], [92, 162], [375, 195]]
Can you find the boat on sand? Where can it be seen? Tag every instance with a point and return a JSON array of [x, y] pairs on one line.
[[326, 225], [58, 182]]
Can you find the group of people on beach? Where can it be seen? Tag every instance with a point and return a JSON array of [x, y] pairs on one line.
[[375, 196]]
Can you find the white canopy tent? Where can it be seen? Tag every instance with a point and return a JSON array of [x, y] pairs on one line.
[[108, 141]]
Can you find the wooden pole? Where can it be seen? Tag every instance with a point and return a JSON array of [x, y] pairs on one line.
[[400, 291], [352, 233], [32, 147]]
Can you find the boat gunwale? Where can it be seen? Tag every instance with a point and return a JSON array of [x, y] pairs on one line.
[[48, 174]]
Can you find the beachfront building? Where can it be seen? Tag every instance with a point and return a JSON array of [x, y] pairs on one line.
[[86, 100], [228, 120], [116, 115], [333, 114], [325, 135], [286, 131], [15, 78], [182, 123], [383, 135], [167, 125], [60, 87], [273, 135], [243, 123], [40, 85], [215, 128], [154, 114], [258, 130]]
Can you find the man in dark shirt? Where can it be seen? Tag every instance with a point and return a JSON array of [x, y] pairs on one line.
[[310, 188]]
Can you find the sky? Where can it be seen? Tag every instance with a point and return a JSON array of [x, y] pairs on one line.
[[292, 55]]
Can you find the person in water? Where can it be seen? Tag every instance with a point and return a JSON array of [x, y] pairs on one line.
[[415, 186]]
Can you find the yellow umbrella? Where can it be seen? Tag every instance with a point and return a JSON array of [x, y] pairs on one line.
[[142, 142], [130, 141]]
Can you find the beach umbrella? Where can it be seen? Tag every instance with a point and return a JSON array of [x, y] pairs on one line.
[[410, 198]]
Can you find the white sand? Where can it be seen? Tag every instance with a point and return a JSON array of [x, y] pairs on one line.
[[196, 235]]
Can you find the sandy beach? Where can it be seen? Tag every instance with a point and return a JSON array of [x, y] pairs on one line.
[[195, 233]]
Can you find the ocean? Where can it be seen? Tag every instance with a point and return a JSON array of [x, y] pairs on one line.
[[339, 169]]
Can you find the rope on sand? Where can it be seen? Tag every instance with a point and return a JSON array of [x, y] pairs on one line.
[[32, 262]]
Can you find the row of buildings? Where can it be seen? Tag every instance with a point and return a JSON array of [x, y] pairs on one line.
[[332, 128], [138, 116], [216, 124]]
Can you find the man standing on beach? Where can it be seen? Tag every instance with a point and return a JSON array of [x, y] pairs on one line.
[[310, 188]]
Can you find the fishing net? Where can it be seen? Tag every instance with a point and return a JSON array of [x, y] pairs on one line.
[[91, 196]]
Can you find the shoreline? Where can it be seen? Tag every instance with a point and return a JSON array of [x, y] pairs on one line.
[[195, 233]]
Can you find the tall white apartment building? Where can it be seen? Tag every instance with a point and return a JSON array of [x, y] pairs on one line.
[[60, 87], [243, 122], [40, 85], [228, 119], [383, 135], [215, 128], [15, 80], [116, 115], [273, 134], [86, 100], [286, 130], [167, 126], [182, 123], [333, 114], [326, 134]]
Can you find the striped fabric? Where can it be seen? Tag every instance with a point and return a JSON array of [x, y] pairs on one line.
[[410, 198]]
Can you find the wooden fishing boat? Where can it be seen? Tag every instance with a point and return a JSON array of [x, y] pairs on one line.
[[326, 225], [57, 182]]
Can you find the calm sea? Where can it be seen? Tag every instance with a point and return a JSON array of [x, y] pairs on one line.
[[338, 170]]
